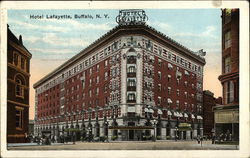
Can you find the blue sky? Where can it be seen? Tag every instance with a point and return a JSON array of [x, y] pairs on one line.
[[53, 41]]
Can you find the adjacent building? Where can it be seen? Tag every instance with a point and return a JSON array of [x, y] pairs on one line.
[[31, 127], [132, 83], [209, 101], [227, 115], [18, 75]]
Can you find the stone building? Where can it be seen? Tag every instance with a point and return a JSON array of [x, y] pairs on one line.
[[132, 83], [18, 74]]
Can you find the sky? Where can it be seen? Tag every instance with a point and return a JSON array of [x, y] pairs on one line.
[[53, 41]]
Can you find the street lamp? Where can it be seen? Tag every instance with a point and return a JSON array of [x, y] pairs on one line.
[[89, 131], [154, 122], [176, 136]]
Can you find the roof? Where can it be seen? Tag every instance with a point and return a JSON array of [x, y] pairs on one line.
[[13, 38], [110, 34]]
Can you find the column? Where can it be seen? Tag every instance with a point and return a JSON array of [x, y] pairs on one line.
[[163, 133], [119, 135]]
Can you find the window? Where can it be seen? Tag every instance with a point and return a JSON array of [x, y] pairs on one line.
[[192, 86], [131, 83], [106, 75], [159, 75], [19, 87], [177, 104], [106, 63], [97, 91], [23, 63], [90, 71], [114, 71], [169, 78], [227, 65], [178, 81], [228, 16], [16, 59], [227, 39], [186, 83], [185, 93], [97, 67], [131, 97], [178, 92], [105, 88], [229, 92], [19, 118], [159, 62], [159, 87], [97, 79], [90, 93], [159, 100], [131, 69], [169, 90]]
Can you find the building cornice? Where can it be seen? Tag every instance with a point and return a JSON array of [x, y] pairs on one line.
[[17, 103], [20, 49], [119, 30], [228, 76]]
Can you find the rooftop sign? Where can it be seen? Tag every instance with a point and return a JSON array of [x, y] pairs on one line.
[[131, 17]]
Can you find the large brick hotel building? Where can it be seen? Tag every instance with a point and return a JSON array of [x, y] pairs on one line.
[[131, 83]]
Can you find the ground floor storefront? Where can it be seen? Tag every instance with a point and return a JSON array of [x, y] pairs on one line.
[[226, 122], [118, 129]]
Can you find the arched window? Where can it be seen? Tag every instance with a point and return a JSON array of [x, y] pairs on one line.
[[19, 86]]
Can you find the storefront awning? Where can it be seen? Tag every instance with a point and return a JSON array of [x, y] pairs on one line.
[[185, 115], [169, 113], [131, 127], [199, 117], [159, 112], [192, 116], [184, 127]]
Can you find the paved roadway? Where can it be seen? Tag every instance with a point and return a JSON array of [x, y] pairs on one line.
[[126, 145]]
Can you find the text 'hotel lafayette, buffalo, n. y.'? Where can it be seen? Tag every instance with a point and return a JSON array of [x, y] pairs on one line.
[[130, 84]]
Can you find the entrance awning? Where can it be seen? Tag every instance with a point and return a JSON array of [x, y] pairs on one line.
[[185, 129], [131, 127]]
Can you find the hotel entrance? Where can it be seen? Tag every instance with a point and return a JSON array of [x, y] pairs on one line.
[[131, 133]]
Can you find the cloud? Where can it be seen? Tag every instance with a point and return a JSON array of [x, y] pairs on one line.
[[208, 32], [161, 25], [54, 40], [39, 27], [52, 50]]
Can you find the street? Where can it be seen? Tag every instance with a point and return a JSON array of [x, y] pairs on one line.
[[129, 145]]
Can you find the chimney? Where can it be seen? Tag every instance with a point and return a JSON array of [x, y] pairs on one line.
[[20, 40]]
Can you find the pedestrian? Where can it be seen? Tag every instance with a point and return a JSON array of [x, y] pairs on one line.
[[198, 139]]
